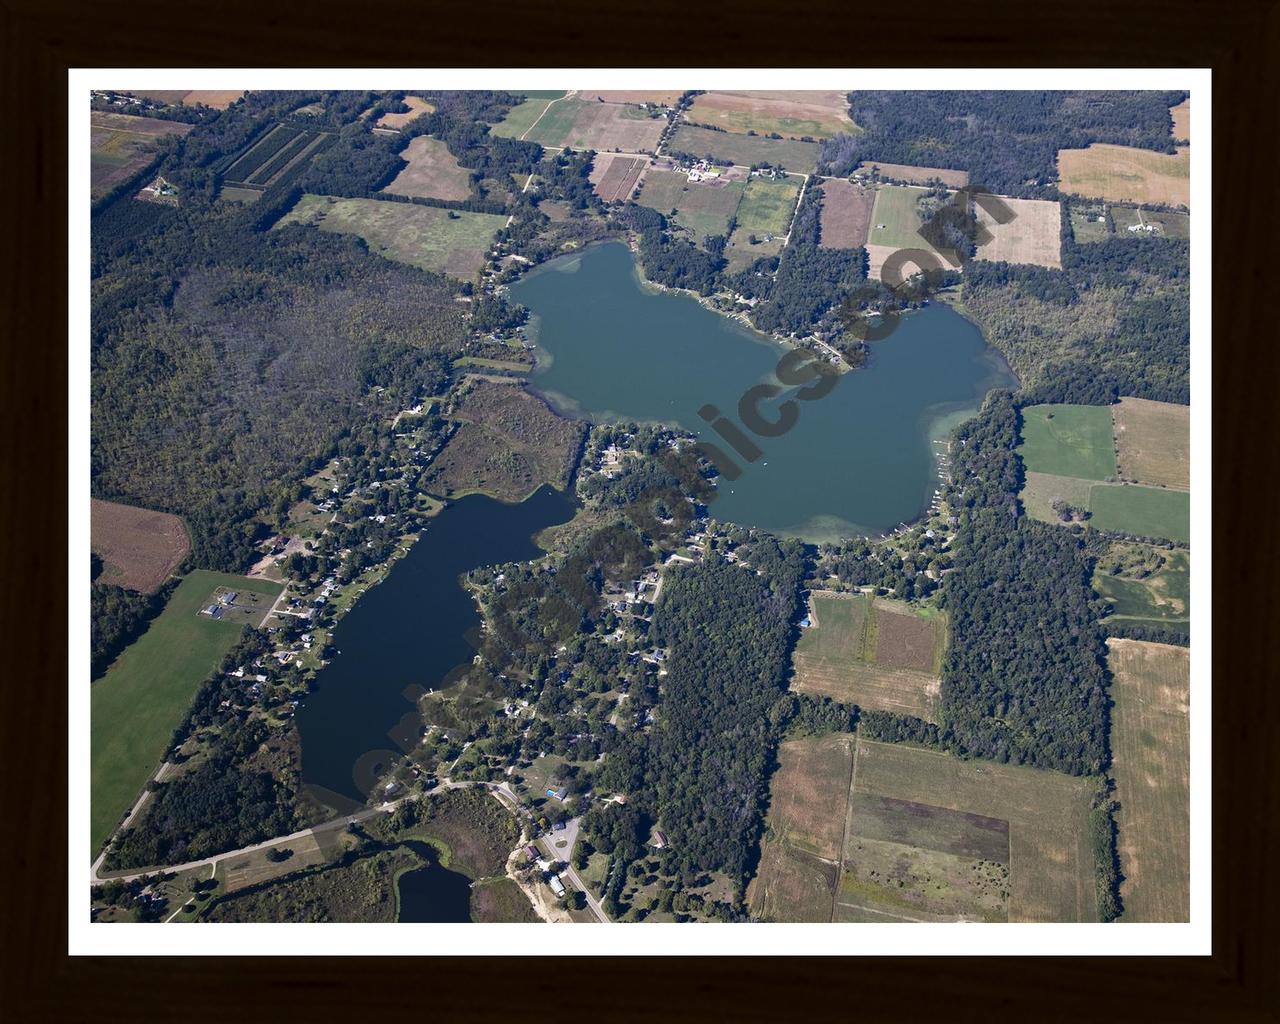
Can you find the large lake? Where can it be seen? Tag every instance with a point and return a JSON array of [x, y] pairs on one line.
[[859, 460], [404, 636]]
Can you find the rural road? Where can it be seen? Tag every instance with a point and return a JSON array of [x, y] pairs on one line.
[[212, 861], [570, 837], [161, 772], [384, 808]]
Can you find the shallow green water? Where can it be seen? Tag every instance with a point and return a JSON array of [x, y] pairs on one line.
[[859, 460]]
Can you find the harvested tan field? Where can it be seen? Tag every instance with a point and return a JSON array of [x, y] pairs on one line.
[[152, 127], [663, 98], [1153, 442], [812, 780], [433, 172], [1125, 174], [846, 214], [875, 687], [614, 176], [218, 99], [913, 175], [1181, 115], [1033, 236], [875, 654], [793, 114], [417, 107], [903, 639], [576, 123], [1151, 744], [800, 853], [139, 547], [877, 254]]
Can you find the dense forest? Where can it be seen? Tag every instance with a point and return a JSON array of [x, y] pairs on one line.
[[1025, 672], [702, 771], [1114, 321], [223, 351], [223, 803], [1007, 140]]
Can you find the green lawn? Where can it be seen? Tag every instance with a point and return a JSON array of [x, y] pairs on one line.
[[136, 706], [895, 219], [1068, 440], [445, 241], [1144, 511], [1086, 227], [838, 635]]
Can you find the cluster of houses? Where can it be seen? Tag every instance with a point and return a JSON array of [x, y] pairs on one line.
[[124, 99], [702, 171]]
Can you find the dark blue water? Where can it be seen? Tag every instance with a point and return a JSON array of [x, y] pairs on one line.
[[433, 894], [404, 635]]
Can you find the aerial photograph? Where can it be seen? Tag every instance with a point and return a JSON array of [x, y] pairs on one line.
[[658, 506]]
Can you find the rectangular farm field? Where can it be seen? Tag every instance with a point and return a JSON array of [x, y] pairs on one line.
[[1068, 440], [1150, 740]]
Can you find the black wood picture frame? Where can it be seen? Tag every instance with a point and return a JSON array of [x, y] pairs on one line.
[[41, 40]]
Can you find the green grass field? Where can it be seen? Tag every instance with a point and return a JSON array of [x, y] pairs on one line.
[[1161, 598], [838, 636], [445, 241], [522, 116], [701, 208], [800, 157], [767, 206], [556, 124], [1068, 440], [1124, 508], [1143, 511], [1176, 225], [1170, 225], [136, 706], [895, 220]]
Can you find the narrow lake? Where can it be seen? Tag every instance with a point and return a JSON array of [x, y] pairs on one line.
[[859, 460], [405, 635]]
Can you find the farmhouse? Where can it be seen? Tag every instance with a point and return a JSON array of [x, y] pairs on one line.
[[557, 886]]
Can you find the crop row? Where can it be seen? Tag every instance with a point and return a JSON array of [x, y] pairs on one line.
[[262, 151], [286, 153]]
